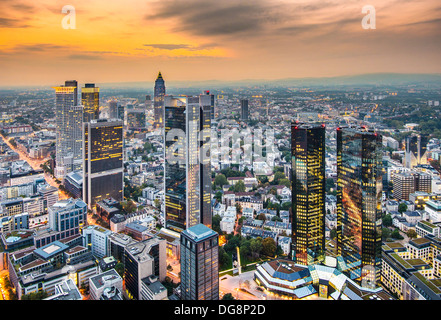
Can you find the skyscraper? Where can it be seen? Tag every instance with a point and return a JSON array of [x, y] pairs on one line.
[[244, 110], [210, 102], [113, 109], [187, 162], [308, 192], [158, 103], [103, 161], [416, 150], [90, 99], [199, 264], [69, 118], [359, 188]]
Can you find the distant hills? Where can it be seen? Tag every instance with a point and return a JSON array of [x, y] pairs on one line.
[[374, 79], [350, 81]]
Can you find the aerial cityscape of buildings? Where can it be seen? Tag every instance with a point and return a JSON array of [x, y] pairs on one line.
[[250, 193]]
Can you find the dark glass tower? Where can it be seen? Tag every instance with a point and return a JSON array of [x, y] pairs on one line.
[[359, 188], [90, 99], [103, 161], [199, 264], [158, 103], [308, 192], [187, 162], [244, 110]]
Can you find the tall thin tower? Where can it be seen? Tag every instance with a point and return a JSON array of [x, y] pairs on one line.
[[158, 103]]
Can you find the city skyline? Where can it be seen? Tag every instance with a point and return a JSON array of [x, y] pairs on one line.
[[311, 39]]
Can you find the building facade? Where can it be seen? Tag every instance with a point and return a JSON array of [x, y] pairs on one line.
[[103, 161], [359, 190], [199, 264], [308, 192]]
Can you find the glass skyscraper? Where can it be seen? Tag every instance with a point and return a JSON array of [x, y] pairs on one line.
[[199, 264], [244, 109], [359, 190], [90, 99], [158, 101], [103, 161], [308, 193], [69, 119], [187, 162]]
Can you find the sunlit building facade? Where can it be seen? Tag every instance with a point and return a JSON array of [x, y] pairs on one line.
[[416, 150], [69, 119], [90, 99], [359, 191], [103, 161], [308, 192], [187, 162]]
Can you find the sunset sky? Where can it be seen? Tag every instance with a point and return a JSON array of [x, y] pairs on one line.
[[119, 41]]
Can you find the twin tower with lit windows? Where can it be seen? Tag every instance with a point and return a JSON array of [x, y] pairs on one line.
[[359, 190]]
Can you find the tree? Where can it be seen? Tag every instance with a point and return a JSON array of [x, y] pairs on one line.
[[411, 233], [261, 217], [256, 247], [220, 180], [216, 223], [402, 207], [333, 233], [228, 296], [269, 247], [385, 234], [239, 186], [387, 220], [285, 182], [218, 196], [40, 295], [119, 267], [396, 234], [128, 206]]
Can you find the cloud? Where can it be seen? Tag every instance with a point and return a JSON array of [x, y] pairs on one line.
[[168, 46], [12, 23], [217, 18], [84, 57]]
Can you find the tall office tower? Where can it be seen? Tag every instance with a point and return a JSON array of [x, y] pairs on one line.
[[416, 147], [244, 109], [69, 119], [187, 162], [120, 112], [158, 103], [103, 161], [199, 264], [211, 102], [148, 101], [359, 190], [308, 193], [142, 260], [113, 109], [90, 99]]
